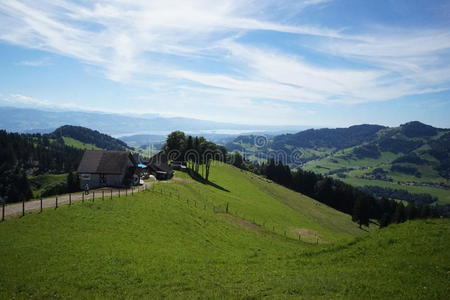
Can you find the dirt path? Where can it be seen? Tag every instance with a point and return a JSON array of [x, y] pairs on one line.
[[16, 209]]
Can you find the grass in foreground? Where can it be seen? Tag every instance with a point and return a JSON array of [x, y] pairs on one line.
[[153, 245]]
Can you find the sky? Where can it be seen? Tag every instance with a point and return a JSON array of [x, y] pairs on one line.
[[303, 62]]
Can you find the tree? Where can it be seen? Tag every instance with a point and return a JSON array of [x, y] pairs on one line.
[[399, 214], [175, 143], [361, 211]]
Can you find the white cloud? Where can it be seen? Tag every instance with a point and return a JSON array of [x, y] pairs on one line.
[[44, 61], [146, 44]]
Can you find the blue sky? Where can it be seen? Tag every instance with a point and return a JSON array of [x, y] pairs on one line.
[[303, 62]]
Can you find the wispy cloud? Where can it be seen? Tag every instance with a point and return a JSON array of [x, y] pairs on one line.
[[147, 43], [45, 61]]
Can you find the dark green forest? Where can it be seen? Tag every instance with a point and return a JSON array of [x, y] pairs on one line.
[[23, 155]]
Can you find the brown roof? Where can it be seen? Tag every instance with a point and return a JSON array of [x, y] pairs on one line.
[[159, 162], [105, 162]]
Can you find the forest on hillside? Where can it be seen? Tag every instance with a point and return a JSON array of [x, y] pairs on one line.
[[23, 155]]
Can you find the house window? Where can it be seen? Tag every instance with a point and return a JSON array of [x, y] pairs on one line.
[[85, 176]]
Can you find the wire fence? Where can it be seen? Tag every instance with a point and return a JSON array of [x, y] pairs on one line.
[[104, 194]]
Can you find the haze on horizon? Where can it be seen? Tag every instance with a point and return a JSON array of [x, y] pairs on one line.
[[309, 62]]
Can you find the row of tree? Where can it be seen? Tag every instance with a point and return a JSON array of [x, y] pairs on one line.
[[197, 152], [337, 194]]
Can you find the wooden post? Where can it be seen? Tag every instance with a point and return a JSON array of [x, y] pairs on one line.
[[132, 191], [41, 203], [70, 199], [111, 194], [93, 195], [56, 202], [119, 192], [23, 207], [103, 195], [82, 197], [3, 209]]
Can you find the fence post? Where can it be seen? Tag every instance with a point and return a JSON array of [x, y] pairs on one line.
[[41, 203], [103, 195], [23, 207], [132, 191], [82, 197], [111, 194], [3, 209], [70, 198], [93, 195], [56, 202]]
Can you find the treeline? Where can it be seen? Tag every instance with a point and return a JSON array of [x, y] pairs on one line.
[[337, 194], [22, 155], [197, 152], [383, 192]]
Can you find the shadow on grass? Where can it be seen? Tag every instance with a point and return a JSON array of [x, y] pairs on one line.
[[202, 180]]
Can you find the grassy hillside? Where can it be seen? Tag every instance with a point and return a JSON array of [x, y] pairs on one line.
[[79, 145], [413, 157], [158, 245]]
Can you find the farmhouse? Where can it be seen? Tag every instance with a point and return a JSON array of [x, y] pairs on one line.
[[99, 168], [159, 166]]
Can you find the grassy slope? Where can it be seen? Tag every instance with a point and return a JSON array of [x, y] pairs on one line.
[[79, 145], [156, 245]]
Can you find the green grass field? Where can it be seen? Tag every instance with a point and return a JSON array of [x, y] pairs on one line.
[[79, 145], [154, 245]]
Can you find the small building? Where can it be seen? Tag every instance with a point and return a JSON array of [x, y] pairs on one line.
[[101, 168], [179, 165], [158, 166]]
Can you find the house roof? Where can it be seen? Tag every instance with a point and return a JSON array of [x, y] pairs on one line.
[[105, 162], [159, 162]]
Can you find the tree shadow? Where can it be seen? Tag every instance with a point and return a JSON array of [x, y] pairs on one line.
[[362, 228], [197, 177]]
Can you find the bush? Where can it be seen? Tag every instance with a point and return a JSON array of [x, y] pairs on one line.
[[54, 189]]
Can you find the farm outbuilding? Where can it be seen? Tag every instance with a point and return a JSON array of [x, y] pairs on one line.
[[100, 168], [158, 166]]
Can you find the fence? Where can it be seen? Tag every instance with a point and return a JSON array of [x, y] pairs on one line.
[[224, 208]]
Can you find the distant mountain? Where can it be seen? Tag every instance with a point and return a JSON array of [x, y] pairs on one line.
[[414, 156], [89, 136], [338, 138], [37, 121]]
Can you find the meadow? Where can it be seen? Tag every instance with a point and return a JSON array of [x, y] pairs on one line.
[[177, 241]]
